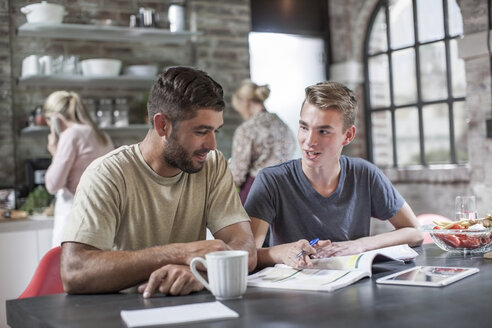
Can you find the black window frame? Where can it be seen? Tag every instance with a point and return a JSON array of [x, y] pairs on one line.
[[420, 103]]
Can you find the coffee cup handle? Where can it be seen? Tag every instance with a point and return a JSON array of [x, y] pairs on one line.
[[197, 274]]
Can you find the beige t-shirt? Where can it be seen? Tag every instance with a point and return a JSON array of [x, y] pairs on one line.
[[121, 203]]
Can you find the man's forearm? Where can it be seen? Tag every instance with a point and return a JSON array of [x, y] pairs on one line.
[[407, 235], [86, 269]]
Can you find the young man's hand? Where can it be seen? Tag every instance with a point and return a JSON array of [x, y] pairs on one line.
[[341, 248]]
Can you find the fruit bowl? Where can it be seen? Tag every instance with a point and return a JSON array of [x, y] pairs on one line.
[[462, 241]]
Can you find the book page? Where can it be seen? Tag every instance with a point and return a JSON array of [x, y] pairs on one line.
[[285, 277], [364, 261], [399, 252]]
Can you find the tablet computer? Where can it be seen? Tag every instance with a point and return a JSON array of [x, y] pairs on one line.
[[432, 276]]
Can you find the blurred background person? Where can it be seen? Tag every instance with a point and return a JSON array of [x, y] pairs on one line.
[[74, 142], [262, 140]]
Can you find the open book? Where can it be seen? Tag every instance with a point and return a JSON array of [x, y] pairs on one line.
[[330, 273]]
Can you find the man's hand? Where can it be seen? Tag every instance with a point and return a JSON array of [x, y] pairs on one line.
[[171, 279]]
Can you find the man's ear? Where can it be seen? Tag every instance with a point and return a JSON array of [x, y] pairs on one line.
[[162, 125], [349, 135]]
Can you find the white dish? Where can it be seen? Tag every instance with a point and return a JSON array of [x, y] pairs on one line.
[[44, 12], [101, 67]]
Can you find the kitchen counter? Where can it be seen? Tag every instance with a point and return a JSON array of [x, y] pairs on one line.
[[22, 244], [34, 222]]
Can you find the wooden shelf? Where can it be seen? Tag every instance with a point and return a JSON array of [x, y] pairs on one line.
[[104, 33], [125, 81], [112, 130]]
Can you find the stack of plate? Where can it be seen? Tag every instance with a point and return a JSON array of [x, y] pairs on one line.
[[141, 70]]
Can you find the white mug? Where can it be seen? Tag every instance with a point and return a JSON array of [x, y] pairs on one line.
[[227, 273], [176, 16], [30, 65]]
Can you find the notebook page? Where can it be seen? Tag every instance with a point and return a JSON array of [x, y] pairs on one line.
[[177, 314]]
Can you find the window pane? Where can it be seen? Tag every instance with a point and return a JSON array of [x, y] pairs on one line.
[[401, 23], [407, 136], [457, 71], [460, 131], [404, 76], [455, 19], [382, 138], [379, 81], [378, 41], [430, 20], [433, 71], [436, 134]]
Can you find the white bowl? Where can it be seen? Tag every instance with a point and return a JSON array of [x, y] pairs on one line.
[[44, 12], [101, 67], [141, 70]]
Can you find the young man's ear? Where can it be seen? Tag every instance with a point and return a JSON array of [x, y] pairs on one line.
[[162, 125], [349, 135]]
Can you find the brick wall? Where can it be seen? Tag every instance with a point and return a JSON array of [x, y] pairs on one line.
[[430, 190], [221, 50], [7, 136]]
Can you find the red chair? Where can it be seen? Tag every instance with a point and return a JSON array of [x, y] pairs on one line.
[[428, 219], [46, 279]]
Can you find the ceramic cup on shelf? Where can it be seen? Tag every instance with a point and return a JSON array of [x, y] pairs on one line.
[[46, 63], [176, 16], [227, 273], [31, 65]]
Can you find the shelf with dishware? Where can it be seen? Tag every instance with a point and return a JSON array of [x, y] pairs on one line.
[[104, 33], [111, 130], [65, 80]]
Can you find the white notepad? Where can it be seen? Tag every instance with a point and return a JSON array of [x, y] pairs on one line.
[[177, 314]]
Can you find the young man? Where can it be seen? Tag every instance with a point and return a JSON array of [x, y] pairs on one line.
[[140, 212], [325, 195]]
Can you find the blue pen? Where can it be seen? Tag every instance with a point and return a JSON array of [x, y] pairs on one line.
[[311, 243]]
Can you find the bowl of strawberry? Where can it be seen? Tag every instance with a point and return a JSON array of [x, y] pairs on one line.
[[464, 237]]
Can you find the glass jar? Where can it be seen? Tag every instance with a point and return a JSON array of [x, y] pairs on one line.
[[105, 112], [90, 105], [120, 113], [38, 116]]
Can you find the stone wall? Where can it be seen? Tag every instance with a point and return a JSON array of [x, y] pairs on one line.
[[478, 100], [221, 49]]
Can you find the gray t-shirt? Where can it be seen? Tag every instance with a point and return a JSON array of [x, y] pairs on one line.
[[282, 196]]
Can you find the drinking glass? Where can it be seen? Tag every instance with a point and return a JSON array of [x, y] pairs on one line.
[[465, 208]]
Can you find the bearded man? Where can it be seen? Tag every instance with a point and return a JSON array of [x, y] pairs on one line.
[[140, 212]]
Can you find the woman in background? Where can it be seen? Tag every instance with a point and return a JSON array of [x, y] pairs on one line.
[[262, 140], [74, 142]]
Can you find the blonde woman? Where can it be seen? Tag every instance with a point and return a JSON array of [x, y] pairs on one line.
[[262, 140], [74, 142]]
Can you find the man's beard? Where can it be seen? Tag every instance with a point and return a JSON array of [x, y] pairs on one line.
[[176, 156]]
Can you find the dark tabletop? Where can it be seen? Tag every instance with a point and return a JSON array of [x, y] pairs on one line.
[[466, 303]]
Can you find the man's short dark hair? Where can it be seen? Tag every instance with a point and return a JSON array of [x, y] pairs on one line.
[[180, 92]]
